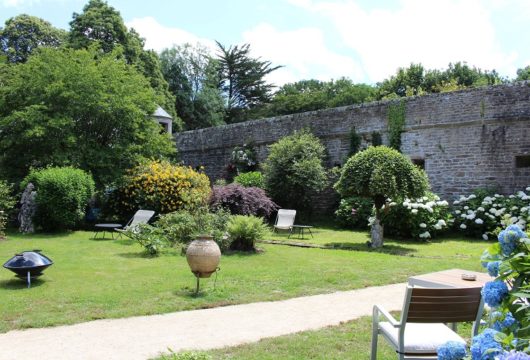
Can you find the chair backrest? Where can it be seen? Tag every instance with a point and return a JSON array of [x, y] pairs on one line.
[[285, 218], [141, 217]]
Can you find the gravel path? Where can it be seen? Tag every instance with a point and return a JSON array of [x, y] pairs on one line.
[[144, 337]]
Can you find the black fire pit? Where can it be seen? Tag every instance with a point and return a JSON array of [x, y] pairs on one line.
[[28, 264]]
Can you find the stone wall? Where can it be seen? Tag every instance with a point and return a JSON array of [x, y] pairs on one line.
[[467, 139]]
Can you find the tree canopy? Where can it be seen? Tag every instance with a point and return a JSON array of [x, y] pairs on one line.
[[79, 108], [242, 80], [23, 34], [193, 79]]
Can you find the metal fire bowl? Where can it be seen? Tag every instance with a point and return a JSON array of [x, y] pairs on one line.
[[28, 261]]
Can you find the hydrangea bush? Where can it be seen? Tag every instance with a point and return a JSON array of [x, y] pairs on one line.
[[420, 218], [244, 158], [484, 213]]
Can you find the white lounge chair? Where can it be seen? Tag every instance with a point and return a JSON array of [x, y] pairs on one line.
[[285, 220], [140, 217], [422, 328]]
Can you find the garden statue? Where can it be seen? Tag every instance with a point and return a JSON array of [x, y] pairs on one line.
[[27, 209]]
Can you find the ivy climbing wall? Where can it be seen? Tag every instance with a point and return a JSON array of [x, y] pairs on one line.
[[464, 139]]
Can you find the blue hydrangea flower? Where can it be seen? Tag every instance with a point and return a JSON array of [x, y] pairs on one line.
[[484, 346], [509, 238], [494, 292], [514, 355], [501, 322], [451, 350], [493, 268]]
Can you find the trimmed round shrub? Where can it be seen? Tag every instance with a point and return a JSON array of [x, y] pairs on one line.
[[251, 179], [162, 187], [354, 212], [244, 231], [294, 170], [240, 200], [62, 196]]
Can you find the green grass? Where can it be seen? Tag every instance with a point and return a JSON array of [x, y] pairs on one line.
[[351, 340], [93, 279]]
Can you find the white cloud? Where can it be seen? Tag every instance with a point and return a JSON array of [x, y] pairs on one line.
[[159, 37], [302, 52], [433, 33]]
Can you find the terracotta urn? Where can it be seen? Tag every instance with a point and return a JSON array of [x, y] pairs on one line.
[[203, 255]]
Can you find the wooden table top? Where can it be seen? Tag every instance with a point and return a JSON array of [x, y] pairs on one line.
[[450, 279]]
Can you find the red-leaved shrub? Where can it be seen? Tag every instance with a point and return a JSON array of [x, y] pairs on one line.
[[242, 200]]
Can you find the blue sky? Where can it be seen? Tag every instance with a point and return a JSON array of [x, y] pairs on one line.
[[327, 39]]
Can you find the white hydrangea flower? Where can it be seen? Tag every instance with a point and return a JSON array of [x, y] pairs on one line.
[[415, 206], [485, 236], [479, 221], [425, 235], [528, 188], [441, 222], [425, 198], [513, 219], [456, 202], [480, 209], [514, 208], [492, 210], [471, 216], [423, 225], [457, 212], [463, 226], [470, 212], [414, 211], [512, 196], [463, 216], [392, 204], [488, 199], [437, 227], [472, 196], [466, 207], [429, 209]]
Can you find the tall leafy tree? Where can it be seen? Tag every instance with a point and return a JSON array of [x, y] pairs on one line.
[[23, 34], [101, 25], [79, 108], [523, 74], [242, 80], [193, 78]]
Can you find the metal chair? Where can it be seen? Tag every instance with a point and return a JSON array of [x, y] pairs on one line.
[[140, 217], [421, 329]]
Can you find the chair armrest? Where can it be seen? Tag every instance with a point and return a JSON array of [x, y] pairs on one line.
[[379, 310]]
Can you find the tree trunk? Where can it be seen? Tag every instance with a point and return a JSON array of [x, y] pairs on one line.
[[377, 234]]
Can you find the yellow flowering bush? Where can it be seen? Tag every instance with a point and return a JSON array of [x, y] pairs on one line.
[[163, 187]]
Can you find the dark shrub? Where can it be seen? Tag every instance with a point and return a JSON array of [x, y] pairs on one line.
[[62, 196], [242, 200], [7, 201]]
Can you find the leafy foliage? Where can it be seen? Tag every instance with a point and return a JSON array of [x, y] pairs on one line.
[[354, 212], [508, 294], [150, 237], [294, 169], [7, 201], [250, 179], [419, 219], [415, 80], [101, 26], [523, 74], [355, 142], [23, 34], [192, 75], [62, 196], [483, 213], [242, 200], [182, 227], [242, 80], [244, 231], [311, 95], [162, 187], [97, 104], [380, 173], [396, 124], [376, 139]]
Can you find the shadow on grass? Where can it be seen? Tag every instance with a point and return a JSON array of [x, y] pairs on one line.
[[386, 249], [17, 284], [137, 255]]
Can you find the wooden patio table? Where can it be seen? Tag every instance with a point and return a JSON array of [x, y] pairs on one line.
[[450, 279]]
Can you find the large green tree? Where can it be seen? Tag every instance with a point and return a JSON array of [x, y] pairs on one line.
[[379, 173], [23, 34], [79, 108], [193, 79], [523, 74], [242, 80], [101, 25], [294, 170]]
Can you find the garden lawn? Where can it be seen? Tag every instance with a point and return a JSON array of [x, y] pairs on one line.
[[94, 279]]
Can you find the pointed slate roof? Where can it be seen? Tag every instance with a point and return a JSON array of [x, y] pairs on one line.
[[161, 113]]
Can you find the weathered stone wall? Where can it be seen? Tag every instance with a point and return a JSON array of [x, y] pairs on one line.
[[468, 139]]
